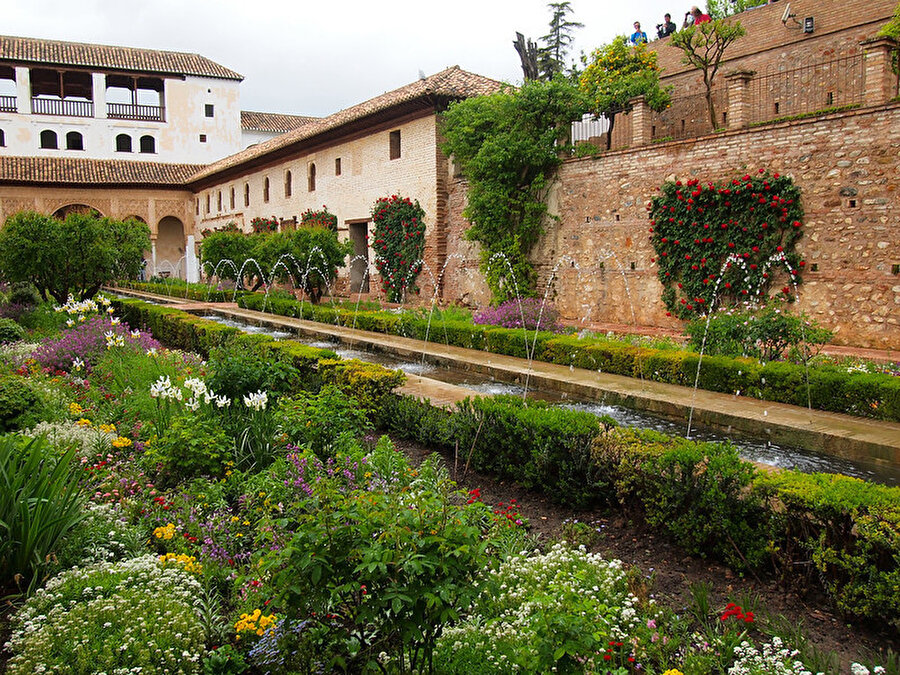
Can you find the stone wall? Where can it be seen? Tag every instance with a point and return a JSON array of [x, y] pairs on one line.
[[597, 259]]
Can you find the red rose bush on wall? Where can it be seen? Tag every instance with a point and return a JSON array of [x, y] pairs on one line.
[[722, 243], [399, 244]]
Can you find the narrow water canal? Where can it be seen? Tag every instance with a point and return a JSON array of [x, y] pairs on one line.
[[752, 449]]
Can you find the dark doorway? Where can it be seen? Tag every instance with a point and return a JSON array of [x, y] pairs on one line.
[[359, 280]]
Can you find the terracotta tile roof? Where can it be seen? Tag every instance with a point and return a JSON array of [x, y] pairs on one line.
[[454, 82], [55, 52], [69, 170], [262, 121]]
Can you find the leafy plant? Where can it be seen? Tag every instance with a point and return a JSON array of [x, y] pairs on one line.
[[18, 401], [508, 145], [76, 255], [10, 331], [321, 421], [192, 446], [400, 243], [323, 218], [617, 74], [704, 48], [40, 503], [551, 57]]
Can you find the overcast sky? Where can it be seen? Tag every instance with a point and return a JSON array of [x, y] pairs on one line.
[[316, 58]]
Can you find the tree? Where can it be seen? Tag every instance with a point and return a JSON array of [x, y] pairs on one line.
[[617, 74], [719, 9], [76, 255], [508, 146], [703, 47], [557, 42], [225, 252]]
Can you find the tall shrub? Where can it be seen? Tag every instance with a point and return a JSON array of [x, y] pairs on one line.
[[400, 244]]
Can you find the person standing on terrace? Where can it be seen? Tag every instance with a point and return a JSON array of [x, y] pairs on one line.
[[638, 36]]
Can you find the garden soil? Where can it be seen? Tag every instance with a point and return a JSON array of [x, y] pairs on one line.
[[673, 571]]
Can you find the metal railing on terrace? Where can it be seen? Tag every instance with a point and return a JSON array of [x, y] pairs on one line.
[[141, 113], [8, 104], [62, 106], [687, 116], [810, 88]]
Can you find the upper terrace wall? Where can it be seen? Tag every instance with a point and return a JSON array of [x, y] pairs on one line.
[[846, 165]]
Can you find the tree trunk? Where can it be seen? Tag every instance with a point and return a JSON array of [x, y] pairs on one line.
[[609, 132]]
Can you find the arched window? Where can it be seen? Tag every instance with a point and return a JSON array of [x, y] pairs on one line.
[[219, 202], [148, 144], [311, 178], [74, 141], [48, 139], [207, 203], [266, 190], [246, 194], [287, 184], [123, 143], [232, 198], [2, 139]]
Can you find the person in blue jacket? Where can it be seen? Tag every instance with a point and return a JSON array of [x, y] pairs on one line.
[[638, 36]]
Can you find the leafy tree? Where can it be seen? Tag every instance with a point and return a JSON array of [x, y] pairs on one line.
[[218, 247], [315, 256], [892, 30], [719, 9], [618, 73], [76, 255], [557, 41], [508, 146], [703, 47]]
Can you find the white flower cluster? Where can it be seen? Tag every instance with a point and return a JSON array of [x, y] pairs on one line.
[[194, 393], [775, 658], [257, 401], [133, 612], [859, 669], [16, 353], [90, 442], [521, 593]]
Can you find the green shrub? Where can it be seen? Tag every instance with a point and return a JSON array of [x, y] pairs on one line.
[[192, 446], [23, 293], [368, 383], [10, 331], [849, 529], [321, 421], [766, 334], [240, 368], [40, 504], [695, 492], [18, 403]]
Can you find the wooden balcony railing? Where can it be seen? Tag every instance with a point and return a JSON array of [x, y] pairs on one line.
[[142, 113], [62, 106]]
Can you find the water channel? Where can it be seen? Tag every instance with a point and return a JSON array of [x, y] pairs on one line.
[[753, 449]]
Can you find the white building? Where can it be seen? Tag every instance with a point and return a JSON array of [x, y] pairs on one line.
[[66, 99]]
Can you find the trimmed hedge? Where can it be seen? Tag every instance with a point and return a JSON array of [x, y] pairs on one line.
[[830, 388], [821, 529], [368, 383], [181, 289]]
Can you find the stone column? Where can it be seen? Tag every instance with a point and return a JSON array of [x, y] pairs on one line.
[[23, 90], [191, 268], [99, 87], [153, 256], [880, 80], [738, 83], [641, 127]]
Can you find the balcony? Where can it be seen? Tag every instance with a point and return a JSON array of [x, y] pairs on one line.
[[65, 107], [8, 104], [139, 113]]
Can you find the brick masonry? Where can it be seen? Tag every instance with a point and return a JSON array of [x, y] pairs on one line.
[[847, 166]]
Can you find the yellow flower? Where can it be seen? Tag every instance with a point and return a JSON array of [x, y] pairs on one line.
[[188, 562], [673, 671], [166, 532], [83, 422], [122, 442], [108, 428], [75, 409]]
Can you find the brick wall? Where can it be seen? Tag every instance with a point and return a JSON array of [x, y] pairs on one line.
[[847, 166], [796, 72]]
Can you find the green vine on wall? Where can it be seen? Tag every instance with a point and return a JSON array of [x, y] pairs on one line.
[[508, 146], [399, 243], [723, 243]]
